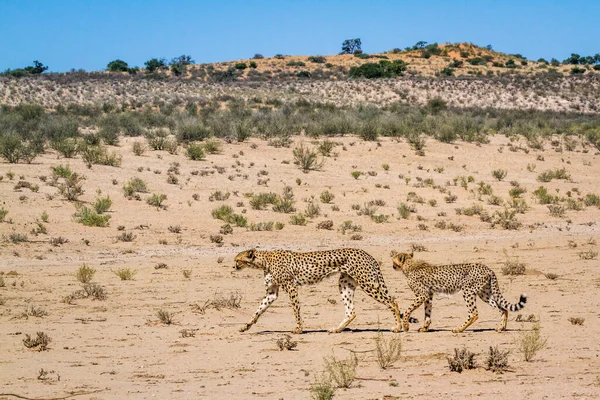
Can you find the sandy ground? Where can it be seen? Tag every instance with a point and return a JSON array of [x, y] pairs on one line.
[[118, 349]]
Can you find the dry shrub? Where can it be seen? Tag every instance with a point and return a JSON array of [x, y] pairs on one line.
[[41, 341], [85, 274], [342, 372], [388, 351], [322, 388], [531, 342], [126, 274], [165, 317], [286, 343], [576, 320], [463, 359], [497, 360]]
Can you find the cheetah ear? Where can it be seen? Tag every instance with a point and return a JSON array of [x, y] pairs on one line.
[[411, 254], [250, 254]]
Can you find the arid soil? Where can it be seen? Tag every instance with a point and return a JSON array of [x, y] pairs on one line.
[[118, 348]]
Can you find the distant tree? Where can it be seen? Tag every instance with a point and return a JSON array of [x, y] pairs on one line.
[[554, 62], [37, 68], [510, 64], [117, 66], [155, 64], [447, 72], [489, 47], [574, 59], [542, 60], [455, 63], [258, 56], [183, 60], [588, 60], [179, 64], [597, 58], [420, 44], [349, 46], [577, 70]]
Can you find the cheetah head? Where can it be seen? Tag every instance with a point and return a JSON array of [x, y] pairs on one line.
[[400, 259], [245, 259]]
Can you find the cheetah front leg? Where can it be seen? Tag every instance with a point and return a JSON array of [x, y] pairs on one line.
[[473, 315], [406, 317], [292, 291], [270, 297], [347, 285]]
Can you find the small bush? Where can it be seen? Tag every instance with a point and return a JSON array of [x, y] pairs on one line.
[[499, 174], [327, 197], [286, 343], [41, 341], [531, 342], [195, 152], [576, 320], [322, 388], [342, 372], [298, 219], [18, 238], [463, 359], [497, 360], [388, 351], [138, 148], [327, 224], [506, 219], [126, 274], [213, 146], [3, 212], [513, 267], [156, 200], [89, 217], [126, 237], [307, 159], [165, 317], [135, 185], [85, 274], [102, 204], [312, 210], [225, 213], [588, 255]]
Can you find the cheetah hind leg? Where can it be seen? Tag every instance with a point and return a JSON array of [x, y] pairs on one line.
[[428, 307], [486, 296], [473, 315], [347, 285], [380, 294]]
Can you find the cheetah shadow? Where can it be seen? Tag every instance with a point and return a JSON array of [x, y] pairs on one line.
[[375, 330]]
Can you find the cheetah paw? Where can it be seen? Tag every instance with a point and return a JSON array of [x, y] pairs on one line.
[[423, 329], [457, 330], [396, 329], [297, 331], [245, 327]]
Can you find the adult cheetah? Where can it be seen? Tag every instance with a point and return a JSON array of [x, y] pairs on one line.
[[473, 279], [288, 269]]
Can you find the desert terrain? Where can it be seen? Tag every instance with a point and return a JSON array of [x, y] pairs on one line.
[[182, 260]]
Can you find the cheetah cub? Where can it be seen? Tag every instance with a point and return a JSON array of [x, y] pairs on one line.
[[473, 279]]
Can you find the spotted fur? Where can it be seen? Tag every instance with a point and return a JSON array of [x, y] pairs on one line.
[[473, 279], [288, 270]]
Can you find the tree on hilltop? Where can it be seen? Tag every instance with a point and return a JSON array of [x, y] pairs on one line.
[[117, 66], [350, 46], [155, 64]]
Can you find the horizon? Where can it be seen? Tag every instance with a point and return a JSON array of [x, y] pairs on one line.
[[88, 35]]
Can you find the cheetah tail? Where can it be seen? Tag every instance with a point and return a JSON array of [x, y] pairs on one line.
[[502, 302]]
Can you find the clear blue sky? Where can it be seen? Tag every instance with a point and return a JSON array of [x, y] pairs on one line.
[[65, 34]]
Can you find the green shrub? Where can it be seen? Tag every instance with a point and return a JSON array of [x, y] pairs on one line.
[[85, 274], [89, 217], [317, 59], [195, 152], [156, 200], [382, 69], [3, 212], [191, 129], [298, 219], [213, 147], [102, 204], [225, 213], [327, 197], [135, 185], [241, 66]]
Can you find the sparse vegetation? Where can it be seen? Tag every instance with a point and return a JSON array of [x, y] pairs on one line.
[[125, 273], [531, 342], [462, 360]]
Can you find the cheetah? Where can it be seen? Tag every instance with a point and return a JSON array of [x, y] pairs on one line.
[[473, 279], [288, 269]]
